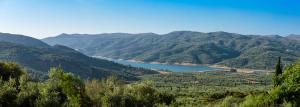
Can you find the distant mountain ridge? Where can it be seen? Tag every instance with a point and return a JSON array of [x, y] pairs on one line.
[[230, 49], [38, 57], [21, 39], [293, 37]]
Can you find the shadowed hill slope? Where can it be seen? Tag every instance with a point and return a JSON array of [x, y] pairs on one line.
[[38, 58]]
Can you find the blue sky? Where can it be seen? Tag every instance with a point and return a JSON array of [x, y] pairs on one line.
[[42, 18]]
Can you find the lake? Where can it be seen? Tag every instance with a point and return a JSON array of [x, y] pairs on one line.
[[169, 67]]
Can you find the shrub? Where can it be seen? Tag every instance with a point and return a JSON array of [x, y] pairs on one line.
[[10, 70], [8, 93], [230, 101], [285, 94], [71, 86]]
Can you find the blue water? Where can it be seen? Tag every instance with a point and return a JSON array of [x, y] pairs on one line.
[[169, 67]]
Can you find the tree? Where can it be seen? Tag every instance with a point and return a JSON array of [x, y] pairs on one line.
[[278, 72], [278, 68], [287, 93]]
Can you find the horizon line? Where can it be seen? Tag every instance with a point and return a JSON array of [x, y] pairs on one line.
[[135, 33]]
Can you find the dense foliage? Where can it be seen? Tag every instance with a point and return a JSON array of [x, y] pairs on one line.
[[63, 89], [236, 50], [286, 93], [212, 89]]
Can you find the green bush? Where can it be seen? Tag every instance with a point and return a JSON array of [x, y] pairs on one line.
[[285, 94], [71, 86], [261, 100], [10, 70], [8, 93], [230, 101]]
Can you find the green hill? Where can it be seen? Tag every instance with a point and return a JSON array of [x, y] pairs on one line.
[[250, 51], [38, 57], [21, 39]]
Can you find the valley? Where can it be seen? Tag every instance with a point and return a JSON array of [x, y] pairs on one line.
[[220, 48], [38, 57], [149, 53], [136, 80], [163, 66]]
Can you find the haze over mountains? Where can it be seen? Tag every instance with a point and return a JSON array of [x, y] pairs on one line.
[[38, 57], [294, 37], [223, 48]]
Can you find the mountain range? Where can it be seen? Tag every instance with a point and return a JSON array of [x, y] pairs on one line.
[[221, 48], [38, 57], [293, 37]]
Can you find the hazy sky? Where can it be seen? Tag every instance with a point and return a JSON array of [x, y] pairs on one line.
[[42, 18]]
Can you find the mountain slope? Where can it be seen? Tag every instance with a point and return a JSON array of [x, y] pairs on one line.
[[293, 37], [21, 39], [38, 60], [250, 51]]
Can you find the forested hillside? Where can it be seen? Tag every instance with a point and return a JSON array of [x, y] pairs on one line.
[[230, 49], [21, 39], [38, 57]]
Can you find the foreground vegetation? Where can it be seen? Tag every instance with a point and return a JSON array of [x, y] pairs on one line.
[[65, 89], [212, 89]]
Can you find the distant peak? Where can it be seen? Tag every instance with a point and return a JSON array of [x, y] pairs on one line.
[[220, 32], [272, 36], [67, 35], [63, 34], [149, 33], [293, 37], [182, 32]]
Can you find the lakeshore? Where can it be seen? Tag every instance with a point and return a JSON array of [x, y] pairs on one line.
[[167, 67], [164, 67]]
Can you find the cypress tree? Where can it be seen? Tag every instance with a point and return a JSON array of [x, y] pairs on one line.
[[278, 72], [278, 67]]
